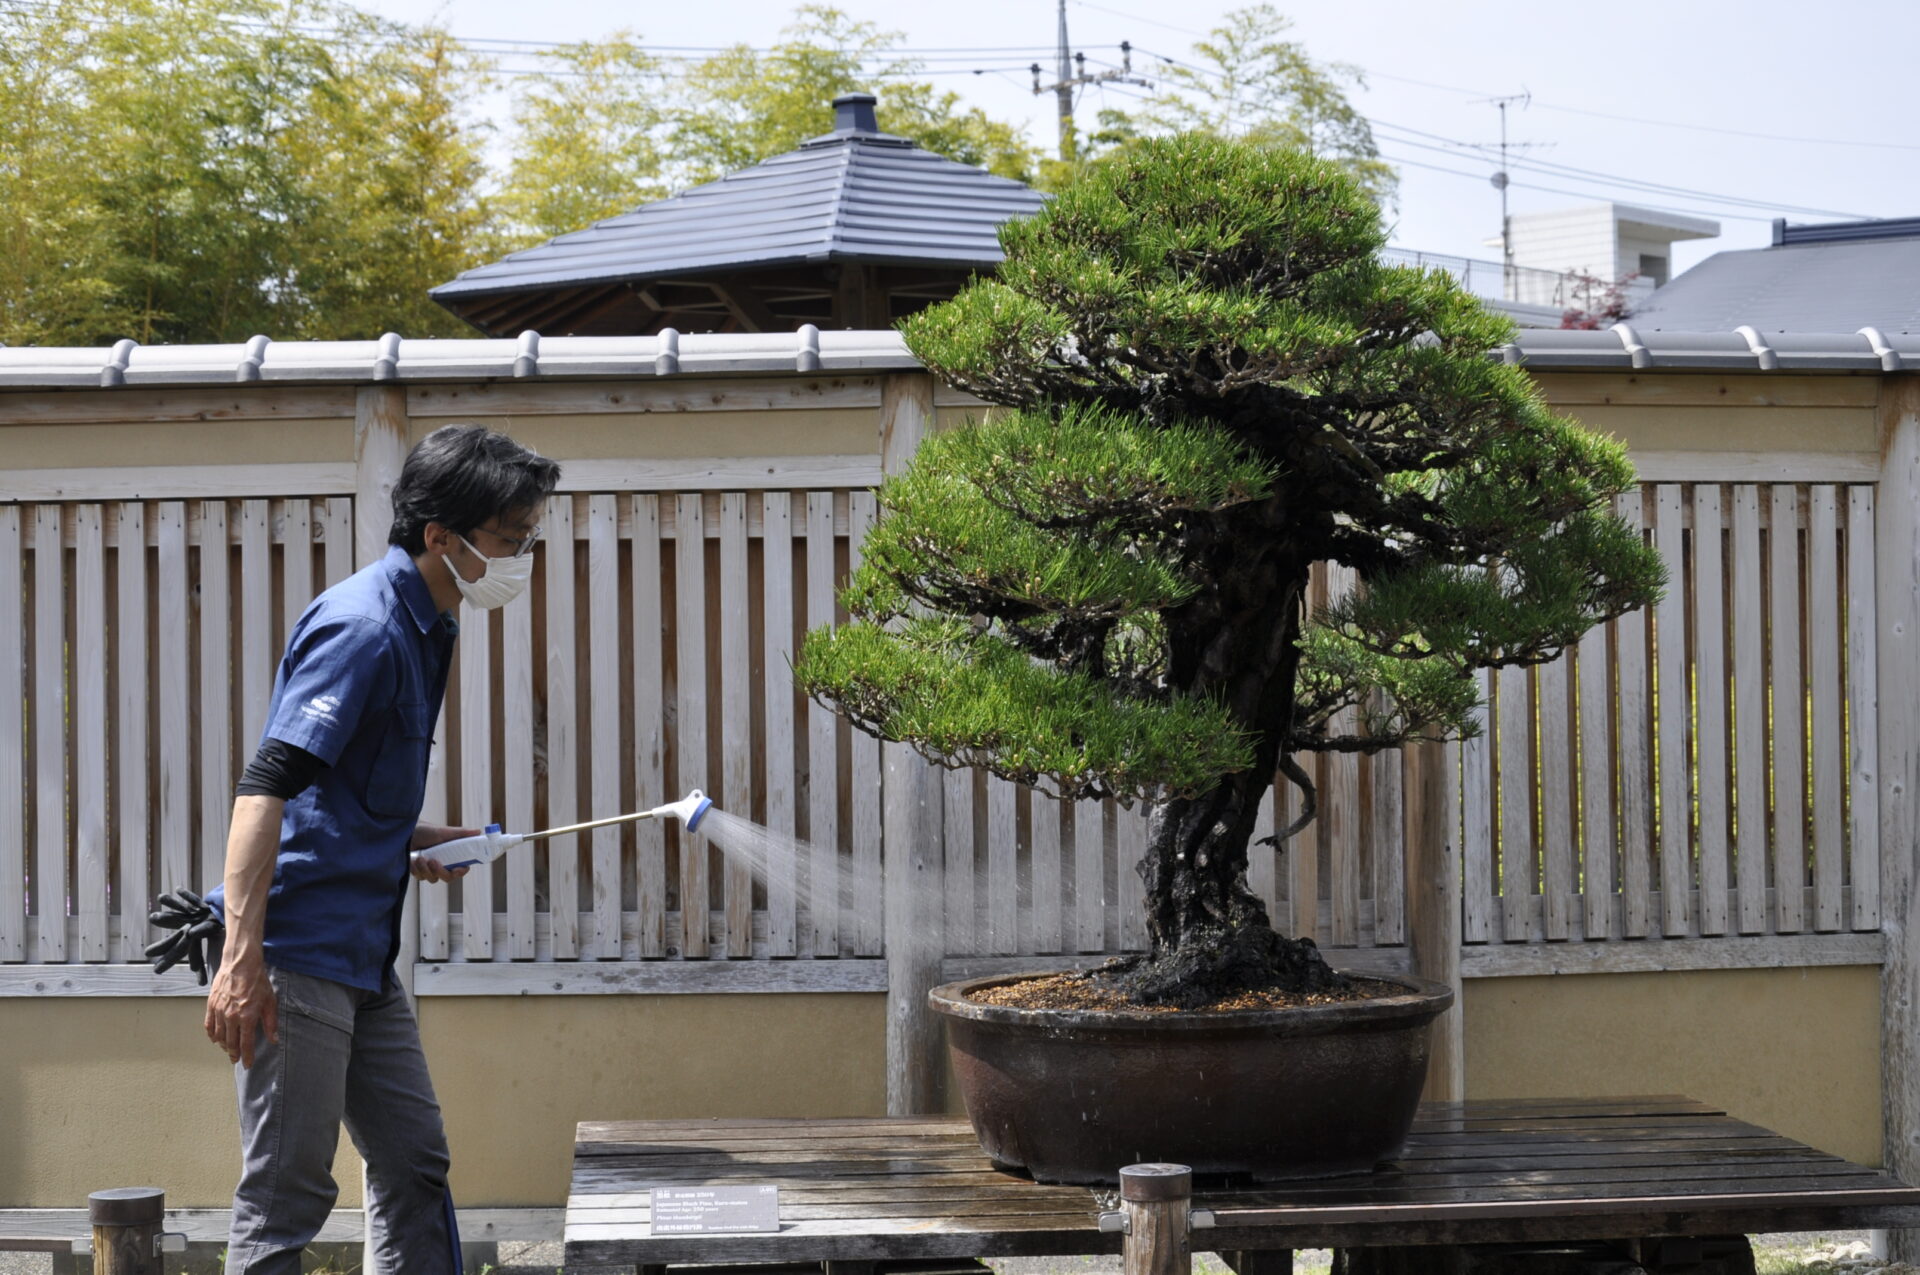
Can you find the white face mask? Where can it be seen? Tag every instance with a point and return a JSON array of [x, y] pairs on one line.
[[504, 579]]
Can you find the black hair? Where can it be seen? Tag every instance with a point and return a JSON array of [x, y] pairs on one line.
[[460, 476]]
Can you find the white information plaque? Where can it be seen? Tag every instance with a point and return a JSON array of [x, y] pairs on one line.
[[714, 1210]]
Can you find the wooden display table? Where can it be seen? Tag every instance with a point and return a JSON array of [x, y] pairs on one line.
[[883, 1190]]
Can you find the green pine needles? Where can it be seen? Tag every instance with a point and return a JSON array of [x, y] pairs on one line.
[[1210, 383]]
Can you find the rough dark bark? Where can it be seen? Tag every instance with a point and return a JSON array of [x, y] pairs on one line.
[[1239, 641]]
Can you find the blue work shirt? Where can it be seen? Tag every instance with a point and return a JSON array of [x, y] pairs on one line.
[[360, 688]]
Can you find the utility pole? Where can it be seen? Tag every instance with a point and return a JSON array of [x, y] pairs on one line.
[[1063, 93], [1500, 182], [1070, 71]]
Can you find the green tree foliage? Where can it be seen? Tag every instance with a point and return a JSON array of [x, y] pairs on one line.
[[1246, 80], [587, 139], [742, 106], [1211, 383], [55, 242], [201, 170]]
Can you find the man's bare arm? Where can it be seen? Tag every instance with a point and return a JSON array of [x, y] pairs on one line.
[[241, 1002]]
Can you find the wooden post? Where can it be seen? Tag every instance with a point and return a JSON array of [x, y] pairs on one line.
[[126, 1229], [1897, 610], [1433, 907], [912, 831], [379, 449], [1156, 1199]]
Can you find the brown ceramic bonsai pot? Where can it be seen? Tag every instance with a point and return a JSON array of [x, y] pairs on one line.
[[1075, 1095]]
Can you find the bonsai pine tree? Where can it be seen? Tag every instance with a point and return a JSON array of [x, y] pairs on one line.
[[1211, 383]]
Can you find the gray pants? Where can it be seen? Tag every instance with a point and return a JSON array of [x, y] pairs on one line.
[[352, 1056]]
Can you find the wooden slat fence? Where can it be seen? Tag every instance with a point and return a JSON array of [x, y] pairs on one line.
[[1704, 769], [1707, 767], [651, 656], [144, 636]]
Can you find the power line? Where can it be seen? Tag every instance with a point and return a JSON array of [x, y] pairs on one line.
[[1721, 130], [1659, 123], [1551, 169], [1564, 171]]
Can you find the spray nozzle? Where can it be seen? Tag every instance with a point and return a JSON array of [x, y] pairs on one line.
[[690, 809]]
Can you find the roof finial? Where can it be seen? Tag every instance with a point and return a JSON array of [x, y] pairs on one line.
[[853, 113]]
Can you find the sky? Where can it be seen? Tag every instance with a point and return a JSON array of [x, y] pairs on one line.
[[1795, 110]]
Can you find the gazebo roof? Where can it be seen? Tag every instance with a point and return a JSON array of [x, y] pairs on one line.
[[853, 195]]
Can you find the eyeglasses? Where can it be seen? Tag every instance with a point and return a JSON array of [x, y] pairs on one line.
[[520, 547]]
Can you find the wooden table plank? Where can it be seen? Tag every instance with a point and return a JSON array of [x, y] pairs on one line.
[[866, 1188]]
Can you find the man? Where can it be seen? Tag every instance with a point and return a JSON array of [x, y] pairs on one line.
[[305, 1002]]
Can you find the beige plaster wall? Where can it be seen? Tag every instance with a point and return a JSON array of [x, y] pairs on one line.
[[1795, 1050], [118, 1091], [516, 1074], [1718, 412], [692, 435], [225, 442], [103, 1092]]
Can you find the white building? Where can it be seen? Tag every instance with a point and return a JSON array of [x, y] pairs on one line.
[[1610, 242]]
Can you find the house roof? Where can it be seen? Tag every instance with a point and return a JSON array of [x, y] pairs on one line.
[[1835, 278], [855, 194], [811, 350]]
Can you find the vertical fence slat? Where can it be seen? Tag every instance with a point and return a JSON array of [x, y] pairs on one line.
[[1710, 696], [1636, 773], [89, 730], [1556, 836], [338, 558], [1476, 814], [516, 746], [1673, 705], [431, 901], [172, 674], [1787, 703], [13, 768], [1263, 862], [649, 726], [296, 558], [1514, 742], [1340, 804], [958, 867], [1389, 848], [1823, 634], [867, 936], [776, 575], [1043, 818], [1596, 785], [823, 783], [1003, 869], [215, 709], [603, 717], [690, 644], [563, 731], [49, 733], [476, 778], [1749, 714], [736, 711], [1863, 824], [257, 656], [1341, 808], [1089, 876], [1130, 844]]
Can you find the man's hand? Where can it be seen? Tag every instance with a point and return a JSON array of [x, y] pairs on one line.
[[242, 1009], [432, 834]]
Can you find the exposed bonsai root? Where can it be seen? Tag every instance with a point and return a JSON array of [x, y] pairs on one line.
[[1219, 963]]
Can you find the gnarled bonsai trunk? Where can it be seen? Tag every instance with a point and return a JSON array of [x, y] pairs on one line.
[[1210, 934]]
